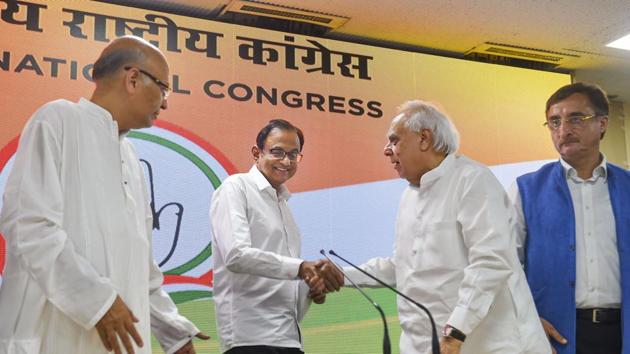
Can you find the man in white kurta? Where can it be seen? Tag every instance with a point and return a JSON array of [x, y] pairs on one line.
[[77, 223], [454, 250]]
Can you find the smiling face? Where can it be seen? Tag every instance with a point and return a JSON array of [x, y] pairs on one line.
[[277, 171], [576, 142]]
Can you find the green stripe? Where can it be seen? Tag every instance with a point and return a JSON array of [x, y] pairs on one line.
[[216, 182], [202, 256], [190, 295]]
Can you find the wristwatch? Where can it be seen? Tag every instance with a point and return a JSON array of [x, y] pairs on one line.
[[450, 331]]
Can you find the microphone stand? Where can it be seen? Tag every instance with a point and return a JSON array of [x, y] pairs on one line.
[[435, 343], [386, 344]]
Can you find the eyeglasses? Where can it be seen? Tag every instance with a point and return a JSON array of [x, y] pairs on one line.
[[573, 121], [279, 154], [164, 87]]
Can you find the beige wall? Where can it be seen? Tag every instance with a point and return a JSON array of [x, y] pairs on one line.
[[616, 143]]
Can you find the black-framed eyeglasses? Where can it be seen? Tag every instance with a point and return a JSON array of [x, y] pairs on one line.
[[164, 87], [574, 121], [279, 154]]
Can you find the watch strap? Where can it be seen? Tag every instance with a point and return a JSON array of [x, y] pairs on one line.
[[450, 331]]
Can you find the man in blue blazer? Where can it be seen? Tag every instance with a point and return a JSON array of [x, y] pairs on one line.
[[573, 227]]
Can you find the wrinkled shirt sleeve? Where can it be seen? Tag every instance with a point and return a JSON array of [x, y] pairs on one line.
[[518, 220], [229, 215], [483, 216], [31, 222], [382, 268], [303, 301]]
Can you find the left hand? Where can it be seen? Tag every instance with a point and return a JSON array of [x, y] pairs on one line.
[[450, 345], [189, 348]]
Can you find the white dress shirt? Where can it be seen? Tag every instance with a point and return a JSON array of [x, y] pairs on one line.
[[255, 250], [78, 227], [597, 283], [455, 254]]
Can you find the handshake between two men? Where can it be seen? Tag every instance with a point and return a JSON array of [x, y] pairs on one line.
[[322, 277]]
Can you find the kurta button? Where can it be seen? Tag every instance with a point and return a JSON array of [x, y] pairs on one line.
[[125, 182], [572, 247], [572, 283]]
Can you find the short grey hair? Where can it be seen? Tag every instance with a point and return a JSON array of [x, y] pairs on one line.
[[111, 62], [417, 115]]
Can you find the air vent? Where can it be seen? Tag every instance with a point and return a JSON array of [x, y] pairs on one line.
[[285, 13], [523, 53]]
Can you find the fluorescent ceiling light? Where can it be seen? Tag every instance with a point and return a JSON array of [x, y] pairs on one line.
[[621, 43]]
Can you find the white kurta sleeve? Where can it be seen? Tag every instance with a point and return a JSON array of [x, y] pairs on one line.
[[382, 268], [232, 236], [483, 216], [170, 328], [32, 219]]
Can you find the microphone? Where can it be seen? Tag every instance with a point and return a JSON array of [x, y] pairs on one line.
[[386, 344], [435, 343]]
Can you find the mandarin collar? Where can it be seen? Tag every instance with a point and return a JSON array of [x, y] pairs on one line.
[[443, 168]]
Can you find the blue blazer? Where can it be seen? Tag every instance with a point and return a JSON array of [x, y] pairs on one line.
[[550, 245]]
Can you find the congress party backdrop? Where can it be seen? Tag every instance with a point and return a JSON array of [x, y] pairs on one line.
[[228, 82]]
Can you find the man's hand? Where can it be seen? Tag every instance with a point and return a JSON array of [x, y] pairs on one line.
[[118, 322], [308, 271], [328, 272], [317, 297], [552, 333], [450, 345], [321, 276], [189, 348]]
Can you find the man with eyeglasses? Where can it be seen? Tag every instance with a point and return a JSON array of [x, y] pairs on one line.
[[573, 229], [80, 276], [259, 294]]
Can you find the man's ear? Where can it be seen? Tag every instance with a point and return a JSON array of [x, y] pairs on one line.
[[426, 139], [132, 76], [255, 152], [603, 125]]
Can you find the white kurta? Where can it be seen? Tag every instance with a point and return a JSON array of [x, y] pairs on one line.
[[255, 249], [455, 253], [77, 223]]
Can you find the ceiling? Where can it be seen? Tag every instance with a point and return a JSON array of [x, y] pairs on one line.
[[578, 28]]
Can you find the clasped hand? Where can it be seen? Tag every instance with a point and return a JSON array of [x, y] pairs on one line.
[[322, 277]]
